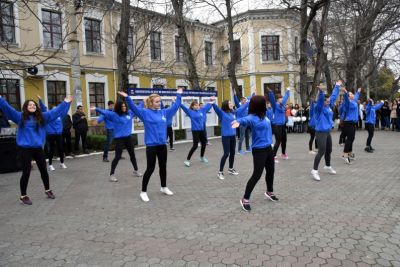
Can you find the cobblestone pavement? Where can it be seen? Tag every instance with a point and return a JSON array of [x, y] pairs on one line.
[[350, 219]]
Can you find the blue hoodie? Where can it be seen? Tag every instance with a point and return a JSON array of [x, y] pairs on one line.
[[198, 117], [270, 114], [54, 127], [107, 123], [351, 107], [261, 131], [279, 108], [311, 123], [324, 114], [155, 121], [122, 123], [244, 112], [227, 118], [342, 112], [28, 136], [370, 111]]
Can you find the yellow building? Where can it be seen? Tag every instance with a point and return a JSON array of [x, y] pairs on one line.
[[43, 35]]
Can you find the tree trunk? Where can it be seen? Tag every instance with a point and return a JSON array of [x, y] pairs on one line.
[[122, 46], [304, 95], [327, 73], [192, 77], [320, 41], [233, 56]]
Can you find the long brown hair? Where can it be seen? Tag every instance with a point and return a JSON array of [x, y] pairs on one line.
[[258, 106], [193, 103], [37, 115]]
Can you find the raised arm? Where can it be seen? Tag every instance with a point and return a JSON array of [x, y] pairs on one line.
[[236, 100], [357, 95], [10, 112], [105, 115], [335, 94], [139, 112], [170, 112], [42, 105], [378, 106], [59, 111], [320, 102], [346, 101], [141, 104], [185, 109], [206, 107], [245, 121], [272, 99], [286, 97], [243, 107], [219, 112]]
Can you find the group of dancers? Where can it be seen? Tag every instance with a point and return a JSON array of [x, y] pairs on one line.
[[261, 115]]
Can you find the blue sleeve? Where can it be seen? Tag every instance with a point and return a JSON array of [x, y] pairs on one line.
[[368, 107], [245, 121], [136, 110], [42, 105], [10, 112], [185, 109], [286, 97], [60, 111], [320, 102], [141, 104], [162, 105], [101, 118], [272, 100], [106, 114], [357, 96], [243, 107], [237, 101], [378, 106], [218, 111], [170, 112], [250, 96], [335, 94], [346, 103], [206, 107]]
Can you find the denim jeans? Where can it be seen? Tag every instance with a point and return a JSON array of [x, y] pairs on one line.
[[110, 137]]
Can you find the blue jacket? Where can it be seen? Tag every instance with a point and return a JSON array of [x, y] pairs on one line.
[[198, 117], [122, 123], [351, 107], [155, 121], [227, 118], [342, 112], [324, 114], [28, 135], [270, 114], [370, 111], [54, 127], [311, 123], [261, 130], [243, 112], [107, 123], [279, 108]]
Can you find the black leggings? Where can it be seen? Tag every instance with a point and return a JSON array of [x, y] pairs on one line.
[[120, 143], [229, 144], [342, 137], [153, 152], [280, 137], [170, 135], [370, 128], [263, 158], [198, 136], [349, 129], [26, 155], [324, 141], [53, 140], [312, 137]]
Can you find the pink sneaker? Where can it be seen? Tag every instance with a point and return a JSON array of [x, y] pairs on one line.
[[276, 159], [285, 156]]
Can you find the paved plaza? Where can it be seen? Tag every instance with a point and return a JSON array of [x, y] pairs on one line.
[[350, 219]]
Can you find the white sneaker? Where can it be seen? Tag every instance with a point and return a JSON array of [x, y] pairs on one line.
[[233, 172], [329, 170], [63, 166], [51, 168], [187, 163], [113, 178], [276, 160], [312, 152], [221, 176], [315, 175], [144, 197], [137, 174], [166, 191], [204, 159]]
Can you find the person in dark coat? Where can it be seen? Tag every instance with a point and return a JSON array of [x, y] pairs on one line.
[[80, 124]]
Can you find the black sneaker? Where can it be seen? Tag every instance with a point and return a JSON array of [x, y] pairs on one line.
[[371, 148], [50, 194], [106, 160], [271, 196], [245, 204], [25, 200], [368, 149]]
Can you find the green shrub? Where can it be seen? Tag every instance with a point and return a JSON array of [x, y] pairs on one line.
[[180, 134], [96, 142], [217, 130]]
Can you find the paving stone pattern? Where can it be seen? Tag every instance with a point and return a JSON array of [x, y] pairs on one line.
[[350, 219]]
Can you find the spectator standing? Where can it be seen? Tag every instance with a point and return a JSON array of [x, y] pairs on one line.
[[385, 116], [81, 127], [393, 115]]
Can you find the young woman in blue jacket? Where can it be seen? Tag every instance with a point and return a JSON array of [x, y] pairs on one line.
[[351, 111], [311, 129], [226, 115], [31, 136], [121, 119], [370, 112], [54, 138], [323, 125], [263, 154], [198, 117], [279, 122], [155, 122]]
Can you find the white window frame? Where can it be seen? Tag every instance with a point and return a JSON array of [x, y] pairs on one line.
[[273, 79], [6, 74], [158, 80], [160, 30], [56, 76], [96, 78], [93, 14], [51, 5], [209, 39], [270, 32]]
